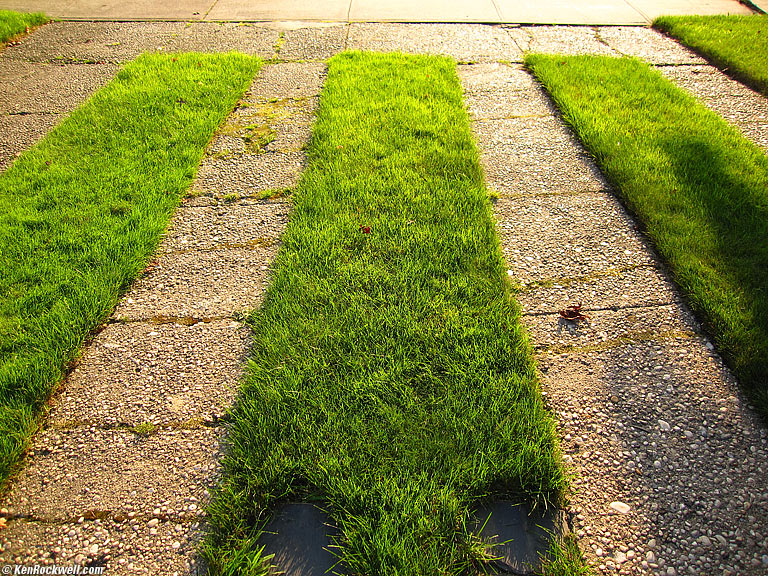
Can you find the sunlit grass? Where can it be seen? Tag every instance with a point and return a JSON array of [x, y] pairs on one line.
[[699, 188], [390, 375], [13, 24]]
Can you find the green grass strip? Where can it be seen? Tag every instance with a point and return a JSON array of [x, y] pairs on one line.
[[13, 24], [737, 44], [81, 212], [390, 375], [697, 185]]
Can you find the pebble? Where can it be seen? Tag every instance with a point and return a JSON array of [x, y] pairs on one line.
[[620, 507]]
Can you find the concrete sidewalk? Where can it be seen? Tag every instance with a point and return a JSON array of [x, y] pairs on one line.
[[592, 12]]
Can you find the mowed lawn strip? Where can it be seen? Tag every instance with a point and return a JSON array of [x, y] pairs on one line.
[[737, 44], [697, 185], [82, 211], [390, 376], [13, 24]]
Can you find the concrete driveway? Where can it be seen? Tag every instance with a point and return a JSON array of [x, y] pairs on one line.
[[594, 12]]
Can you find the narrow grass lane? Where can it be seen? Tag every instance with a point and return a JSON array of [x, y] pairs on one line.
[[390, 375], [737, 44], [699, 188], [81, 213]]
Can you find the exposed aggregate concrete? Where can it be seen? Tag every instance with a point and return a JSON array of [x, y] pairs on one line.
[[36, 88], [101, 472], [669, 459], [567, 235], [201, 284], [20, 132], [165, 374], [131, 546], [468, 43], [316, 43], [612, 288]]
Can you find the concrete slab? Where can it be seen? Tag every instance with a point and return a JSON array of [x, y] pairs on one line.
[[20, 132], [238, 223], [100, 473], [594, 12], [654, 8], [95, 41], [570, 40], [427, 11], [200, 284], [708, 83], [284, 125], [568, 236], [315, 43], [266, 10], [757, 132], [165, 374], [288, 80], [35, 88], [504, 104], [533, 137], [487, 76], [225, 37], [661, 427], [464, 42], [248, 174], [518, 537], [648, 44], [635, 287], [122, 548], [497, 91], [525, 156], [300, 536], [113, 9], [564, 12], [606, 327]]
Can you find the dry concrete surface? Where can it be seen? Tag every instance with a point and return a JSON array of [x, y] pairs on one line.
[[590, 12], [669, 460]]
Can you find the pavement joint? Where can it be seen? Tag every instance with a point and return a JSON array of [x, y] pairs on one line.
[[556, 193], [632, 338], [179, 320], [570, 280], [255, 244]]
